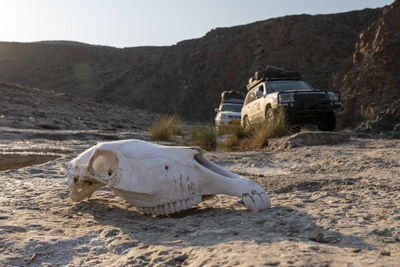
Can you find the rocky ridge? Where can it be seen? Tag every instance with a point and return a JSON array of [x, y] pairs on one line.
[[371, 86], [188, 77]]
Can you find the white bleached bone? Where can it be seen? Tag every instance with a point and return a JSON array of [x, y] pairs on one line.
[[157, 179]]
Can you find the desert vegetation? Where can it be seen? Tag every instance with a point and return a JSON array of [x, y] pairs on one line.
[[226, 138], [257, 136], [166, 127], [204, 136]]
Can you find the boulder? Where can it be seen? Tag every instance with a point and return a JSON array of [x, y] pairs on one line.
[[308, 139]]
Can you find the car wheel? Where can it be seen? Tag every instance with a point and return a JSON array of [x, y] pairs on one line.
[[327, 121], [269, 115]]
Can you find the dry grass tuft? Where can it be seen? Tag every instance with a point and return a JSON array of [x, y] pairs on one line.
[[235, 135], [166, 127], [234, 138], [260, 134], [274, 128]]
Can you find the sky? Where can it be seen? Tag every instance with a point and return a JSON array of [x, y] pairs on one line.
[[131, 23]]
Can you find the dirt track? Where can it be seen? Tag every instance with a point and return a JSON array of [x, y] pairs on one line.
[[331, 205]]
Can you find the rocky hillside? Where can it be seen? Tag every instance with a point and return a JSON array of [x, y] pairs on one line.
[[371, 87], [188, 77]]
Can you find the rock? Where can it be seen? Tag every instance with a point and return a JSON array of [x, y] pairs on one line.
[[178, 260], [110, 233], [309, 139], [362, 130], [394, 135], [360, 135], [384, 253], [384, 123], [371, 84], [319, 237], [310, 127]]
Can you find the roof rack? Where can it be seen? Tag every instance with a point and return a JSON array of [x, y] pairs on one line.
[[232, 97], [272, 74], [232, 101]]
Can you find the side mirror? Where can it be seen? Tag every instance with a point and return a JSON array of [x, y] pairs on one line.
[[216, 109], [259, 93]]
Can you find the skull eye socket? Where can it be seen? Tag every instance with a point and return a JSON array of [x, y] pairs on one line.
[[104, 163]]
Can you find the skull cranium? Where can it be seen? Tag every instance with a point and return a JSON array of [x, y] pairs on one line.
[[157, 179]]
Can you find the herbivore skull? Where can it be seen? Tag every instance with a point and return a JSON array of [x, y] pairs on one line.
[[157, 179]]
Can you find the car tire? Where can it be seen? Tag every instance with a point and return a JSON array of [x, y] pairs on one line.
[[269, 115], [327, 122]]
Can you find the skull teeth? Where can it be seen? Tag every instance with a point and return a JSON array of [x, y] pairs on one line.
[[170, 207]]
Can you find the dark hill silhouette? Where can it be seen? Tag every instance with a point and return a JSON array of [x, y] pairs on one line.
[[189, 77]]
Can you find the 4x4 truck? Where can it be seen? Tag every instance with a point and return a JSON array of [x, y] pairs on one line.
[[228, 113], [276, 88]]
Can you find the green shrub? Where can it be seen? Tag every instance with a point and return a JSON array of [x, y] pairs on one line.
[[203, 136], [166, 127]]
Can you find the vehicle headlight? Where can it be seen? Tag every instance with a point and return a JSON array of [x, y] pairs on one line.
[[333, 96], [286, 98]]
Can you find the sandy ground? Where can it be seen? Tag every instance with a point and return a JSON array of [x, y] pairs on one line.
[[336, 205]]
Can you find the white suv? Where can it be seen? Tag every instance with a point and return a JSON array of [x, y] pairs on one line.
[[228, 114], [269, 90]]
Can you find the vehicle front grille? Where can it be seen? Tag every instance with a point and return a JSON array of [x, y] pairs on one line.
[[235, 117], [310, 97]]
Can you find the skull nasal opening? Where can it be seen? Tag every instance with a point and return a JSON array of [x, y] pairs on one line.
[[104, 163], [203, 161]]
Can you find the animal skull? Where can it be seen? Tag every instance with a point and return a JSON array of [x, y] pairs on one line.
[[157, 179]]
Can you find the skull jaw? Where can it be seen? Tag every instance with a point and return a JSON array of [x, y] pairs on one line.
[[148, 205]]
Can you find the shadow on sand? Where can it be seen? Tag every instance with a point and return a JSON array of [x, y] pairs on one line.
[[207, 226]]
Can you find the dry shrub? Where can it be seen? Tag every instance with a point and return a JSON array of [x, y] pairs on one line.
[[166, 127], [235, 136], [260, 134], [239, 138], [229, 143], [277, 127], [203, 136], [229, 129]]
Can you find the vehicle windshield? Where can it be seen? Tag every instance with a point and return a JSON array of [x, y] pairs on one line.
[[233, 108], [282, 86]]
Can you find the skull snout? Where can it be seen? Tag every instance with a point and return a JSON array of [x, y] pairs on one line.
[[254, 197], [72, 173]]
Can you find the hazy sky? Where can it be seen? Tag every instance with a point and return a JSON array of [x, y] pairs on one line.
[[127, 23]]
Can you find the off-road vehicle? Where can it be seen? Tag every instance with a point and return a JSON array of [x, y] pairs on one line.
[[229, 109], [276, 88]]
